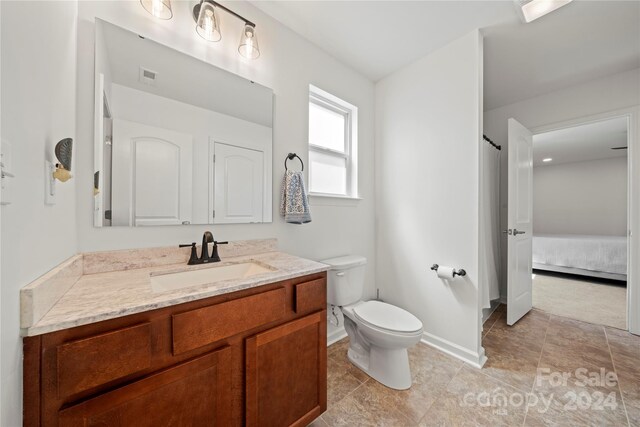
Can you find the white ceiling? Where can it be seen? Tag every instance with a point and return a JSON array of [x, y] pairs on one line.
[[586, 142], [182, 77], [582, 41], [377, 38]]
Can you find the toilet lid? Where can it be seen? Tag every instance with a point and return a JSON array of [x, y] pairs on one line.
[[387, 316]]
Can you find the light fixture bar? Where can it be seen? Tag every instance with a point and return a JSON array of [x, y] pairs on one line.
[[196, 12]]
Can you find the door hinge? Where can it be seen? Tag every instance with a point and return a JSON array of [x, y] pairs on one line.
[[214, 213], [214, 158]]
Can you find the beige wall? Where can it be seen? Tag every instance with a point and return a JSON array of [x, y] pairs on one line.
[[581, 198]]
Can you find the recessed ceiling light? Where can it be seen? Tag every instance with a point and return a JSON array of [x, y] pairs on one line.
[[548, 159], [534, 9]]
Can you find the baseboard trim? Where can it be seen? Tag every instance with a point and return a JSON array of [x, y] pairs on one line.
[[336, 336], [472, 358]]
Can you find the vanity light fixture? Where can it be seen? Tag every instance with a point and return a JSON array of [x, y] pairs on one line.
[[530, 10], [208, 27], [161, 9]]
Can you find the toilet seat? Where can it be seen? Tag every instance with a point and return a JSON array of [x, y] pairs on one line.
[[387, 317]]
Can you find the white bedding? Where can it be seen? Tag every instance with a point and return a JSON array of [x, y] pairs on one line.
[[595, 253]]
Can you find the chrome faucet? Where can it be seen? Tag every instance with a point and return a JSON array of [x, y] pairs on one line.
[[207, 238]]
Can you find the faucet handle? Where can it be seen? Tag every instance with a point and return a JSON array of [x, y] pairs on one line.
[[215, 257], [193, 259]]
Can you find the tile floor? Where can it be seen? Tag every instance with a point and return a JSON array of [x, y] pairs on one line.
[[544, 371]]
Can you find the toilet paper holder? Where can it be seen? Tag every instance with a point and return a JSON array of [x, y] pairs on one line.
[[459, 272]]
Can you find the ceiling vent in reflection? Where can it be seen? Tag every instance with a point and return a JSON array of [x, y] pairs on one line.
[[147, 76]]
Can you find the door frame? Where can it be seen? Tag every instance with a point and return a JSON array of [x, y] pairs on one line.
[[632, 114]]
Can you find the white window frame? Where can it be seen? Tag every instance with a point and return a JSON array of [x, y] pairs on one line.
[[350, 155]]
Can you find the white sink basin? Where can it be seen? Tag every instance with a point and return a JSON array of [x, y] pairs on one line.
[[186, 279]]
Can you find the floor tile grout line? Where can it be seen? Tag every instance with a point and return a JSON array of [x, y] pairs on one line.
[[355, 389], [533, 386], [504, 382], [613, 363], [345, 396], [497, 379], [494, 323], [445, 388]]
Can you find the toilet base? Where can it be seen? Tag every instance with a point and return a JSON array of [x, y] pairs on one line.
[[389, 367]]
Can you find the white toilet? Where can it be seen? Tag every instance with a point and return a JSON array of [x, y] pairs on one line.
[[379, 333]]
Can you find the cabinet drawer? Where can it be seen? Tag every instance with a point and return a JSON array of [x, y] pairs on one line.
[[310, 296], [96, 360], [207, 325]]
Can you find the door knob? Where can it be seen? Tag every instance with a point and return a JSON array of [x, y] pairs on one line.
[[516, 232]]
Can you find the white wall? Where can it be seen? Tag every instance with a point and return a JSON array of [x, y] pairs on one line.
[[581, 197], [615, 92], [38, 109], [428, 128]]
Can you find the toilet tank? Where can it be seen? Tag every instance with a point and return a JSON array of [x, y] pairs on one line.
[[345, 279]]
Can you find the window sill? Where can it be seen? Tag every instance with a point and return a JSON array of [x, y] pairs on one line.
[[316, 199]]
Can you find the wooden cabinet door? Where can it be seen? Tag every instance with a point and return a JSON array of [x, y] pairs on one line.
[[193, 393], [286, 373]]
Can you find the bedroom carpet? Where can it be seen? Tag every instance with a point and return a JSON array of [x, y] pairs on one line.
[[593, 302]]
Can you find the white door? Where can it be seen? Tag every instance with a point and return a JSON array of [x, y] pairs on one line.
[[238, 184], [152, 175], [519, 282]]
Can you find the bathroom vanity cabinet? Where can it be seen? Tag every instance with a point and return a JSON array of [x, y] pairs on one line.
[[251, 357]]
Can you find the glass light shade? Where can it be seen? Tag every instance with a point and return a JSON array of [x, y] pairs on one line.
[[249, 43], [159, 8], [208, 26]]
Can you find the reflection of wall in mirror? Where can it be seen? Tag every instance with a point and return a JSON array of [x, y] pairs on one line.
[[152, 110]]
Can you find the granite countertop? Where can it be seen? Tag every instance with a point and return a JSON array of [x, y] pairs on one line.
[[106, 295]]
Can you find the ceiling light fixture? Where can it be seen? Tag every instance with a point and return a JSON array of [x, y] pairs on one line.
[[208, 26], [159, 8], [548, 159], [530, 10]]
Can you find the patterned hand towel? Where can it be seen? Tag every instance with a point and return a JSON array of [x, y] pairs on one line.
[[294, 205]]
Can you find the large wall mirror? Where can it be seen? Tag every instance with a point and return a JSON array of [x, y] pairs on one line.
[[177, 140]]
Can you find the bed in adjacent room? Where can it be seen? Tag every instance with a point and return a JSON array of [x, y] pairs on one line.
[[595, 256]]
